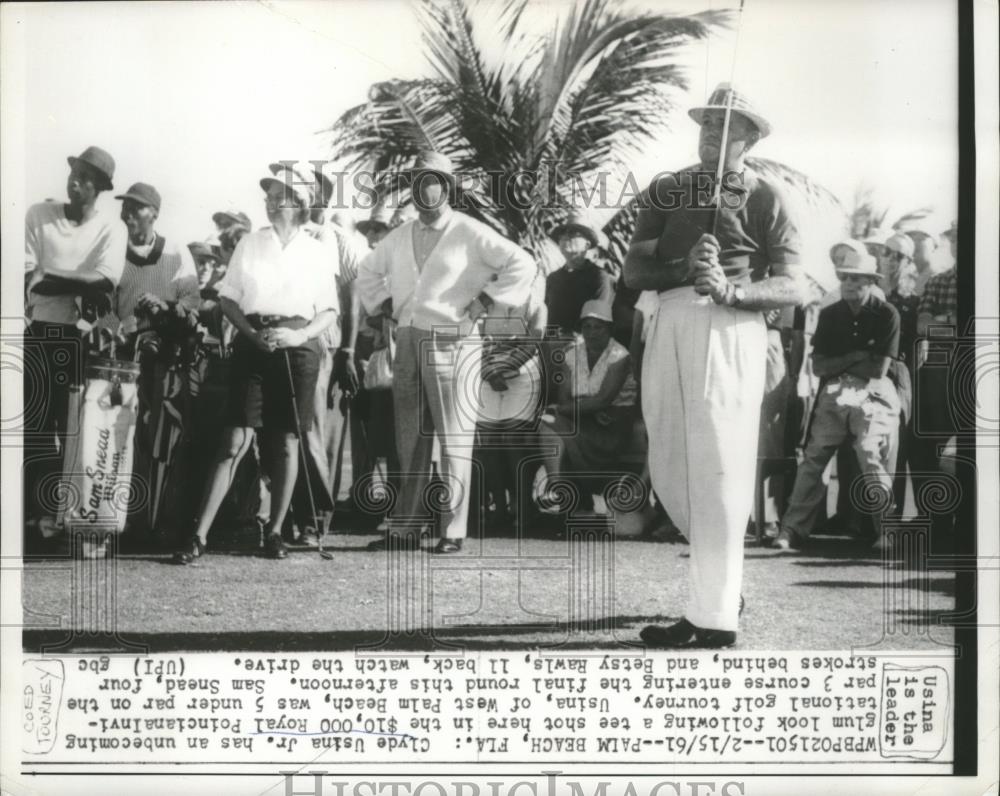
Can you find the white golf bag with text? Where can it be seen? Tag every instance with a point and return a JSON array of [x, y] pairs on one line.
[[97, 464]]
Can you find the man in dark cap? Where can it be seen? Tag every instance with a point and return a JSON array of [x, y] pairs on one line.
[[719, 254], [74, 256], [158, 272], [158, 295], [580, 279]]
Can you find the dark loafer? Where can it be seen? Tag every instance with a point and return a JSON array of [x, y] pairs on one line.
[[684, 635], [274, 547], [192, 550], [714, 639], [679, 634], [446, 546]]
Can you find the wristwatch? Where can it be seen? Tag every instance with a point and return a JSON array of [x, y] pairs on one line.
[[737, 295]]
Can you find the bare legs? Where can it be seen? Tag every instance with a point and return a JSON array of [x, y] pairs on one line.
[[284, 470], [234, 446]]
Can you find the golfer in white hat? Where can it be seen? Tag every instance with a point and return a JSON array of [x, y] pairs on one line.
[[717, 266]]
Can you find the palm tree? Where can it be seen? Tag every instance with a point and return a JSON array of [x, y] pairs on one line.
[[552, 115]]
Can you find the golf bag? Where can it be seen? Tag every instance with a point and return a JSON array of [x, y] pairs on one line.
[[97, 462]]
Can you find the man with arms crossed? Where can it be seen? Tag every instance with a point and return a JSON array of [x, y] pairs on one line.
[[74, 254]]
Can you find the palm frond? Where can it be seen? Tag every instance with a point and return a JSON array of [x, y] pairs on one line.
[[913, 216], [400, 119], [587, 99], [479, 100], [608, 80]]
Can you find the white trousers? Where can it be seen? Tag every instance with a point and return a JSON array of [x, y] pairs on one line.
[[702, 387]]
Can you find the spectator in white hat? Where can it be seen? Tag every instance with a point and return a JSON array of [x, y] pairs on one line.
[[924, 246], [875, 240], [854, 343], [591, 422]]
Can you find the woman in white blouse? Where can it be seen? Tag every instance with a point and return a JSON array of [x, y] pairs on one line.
[[280, 293], [592, 422]]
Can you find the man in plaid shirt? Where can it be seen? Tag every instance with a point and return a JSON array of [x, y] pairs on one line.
[[933, 425]]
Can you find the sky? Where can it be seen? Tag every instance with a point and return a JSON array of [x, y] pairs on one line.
[[197, 98]]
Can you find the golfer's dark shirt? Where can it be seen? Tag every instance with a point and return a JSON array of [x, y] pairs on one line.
[[874, 329], [567, 291], [753, 228]]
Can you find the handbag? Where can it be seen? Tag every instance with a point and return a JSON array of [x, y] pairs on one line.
[[378, 373]]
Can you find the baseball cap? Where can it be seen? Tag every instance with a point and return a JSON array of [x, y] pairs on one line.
[[144, 194]]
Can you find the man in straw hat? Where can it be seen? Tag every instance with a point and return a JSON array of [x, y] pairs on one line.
[[436, 276], [856, 339], [73, 259], [719, 253]]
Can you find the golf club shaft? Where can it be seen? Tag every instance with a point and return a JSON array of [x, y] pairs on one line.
[[302, 453]]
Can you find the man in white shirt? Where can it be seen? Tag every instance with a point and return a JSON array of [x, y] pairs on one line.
[[73, 254], [436, 276]]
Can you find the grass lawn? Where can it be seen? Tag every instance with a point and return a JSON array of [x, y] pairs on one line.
[[499, 592]]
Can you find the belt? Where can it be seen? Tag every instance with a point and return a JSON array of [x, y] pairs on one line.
[[259, 322]]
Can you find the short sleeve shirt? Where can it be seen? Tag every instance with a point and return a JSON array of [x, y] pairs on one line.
[[754, 227], [53, 244], [585, 381], [874, 329], [264, 278]]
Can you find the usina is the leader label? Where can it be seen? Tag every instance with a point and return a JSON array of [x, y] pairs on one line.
[[914, 713]]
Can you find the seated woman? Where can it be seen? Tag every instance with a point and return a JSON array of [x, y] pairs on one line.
[[591, 425], [280, 294]]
